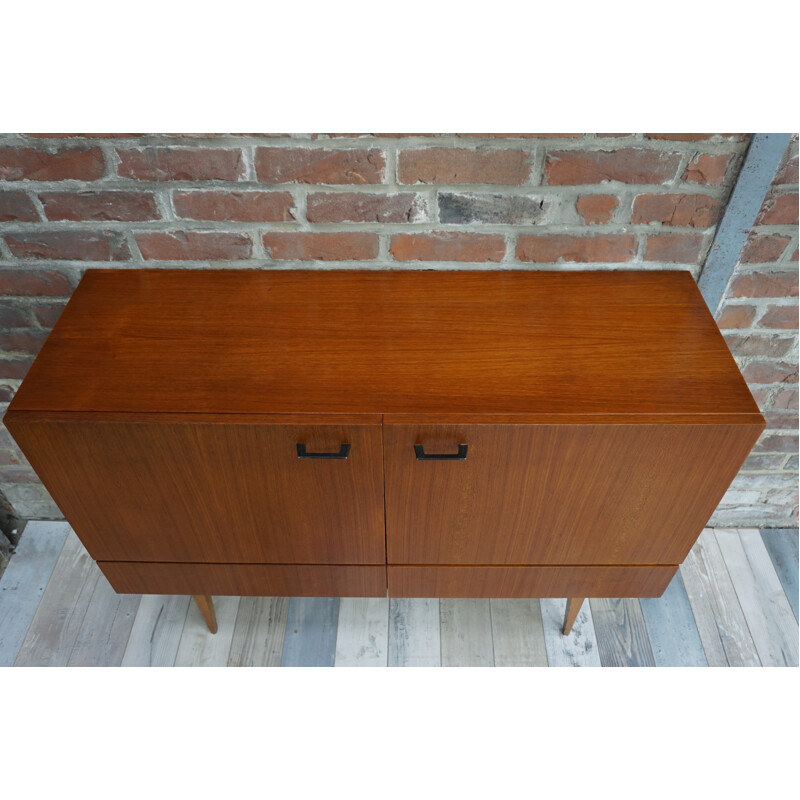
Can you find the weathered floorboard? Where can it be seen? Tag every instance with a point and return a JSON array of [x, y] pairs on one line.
[[766, 609], [24, 581], [259, 632], [781, 545], [362, 638], [311, 632], [622, 639], [579, 647], [518, 633], [672, 629], [201, 648], [156, 631], [106, 626], [414, 637], [720, 622], [466, 633], [54, 628]]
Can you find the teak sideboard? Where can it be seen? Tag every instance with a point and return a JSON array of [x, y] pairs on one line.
[[349, 433]]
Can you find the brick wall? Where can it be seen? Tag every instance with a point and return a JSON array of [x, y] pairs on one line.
[[758, 315], [533, 201]]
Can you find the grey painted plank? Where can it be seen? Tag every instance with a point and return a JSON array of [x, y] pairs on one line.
[[672, 629], [518, 633], [311, 632], [103, 635], [259, 632], [362, 637], [579, 648], [781, 545], [156, 631], [55, 626], [201, 648], [414, 632], [622, 639], [24, 581], [466, 633], [720, 621], [766, 609]]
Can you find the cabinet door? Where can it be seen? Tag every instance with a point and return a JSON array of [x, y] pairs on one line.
[[555, 494], [213, 491]]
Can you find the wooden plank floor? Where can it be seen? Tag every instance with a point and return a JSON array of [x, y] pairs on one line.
[[733, 603]]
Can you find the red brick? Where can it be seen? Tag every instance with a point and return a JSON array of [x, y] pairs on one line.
[[572, 167], [787, 172], [194, 246], [523, 135], [6, 394], [17, 207], [15, 368], [733, 316], [781, 421], [447, 247], [761, 396], [19, 475], [174, 164], [776, 443], [23, 342], [48, 313], [770, 372], [12, 316], [695, 210], [321, 246], [83, 135], [7, 456], [707, 169], [596, 208], [361, 207], [764, 284], [786, 399], [70, 245], [28, 163], [763, 462], [612, 135], [236, 206], [674, 248], [782, 317], [693, 137], [300, 165], [88, 206], [761, 345], [552, 248], [779, 209], [442, 165], [34, 283]]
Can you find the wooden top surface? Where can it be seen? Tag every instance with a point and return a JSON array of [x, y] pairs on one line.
[[420, 342]]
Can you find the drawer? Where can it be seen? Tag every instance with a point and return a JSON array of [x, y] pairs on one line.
[[551, 581], [266, 580]]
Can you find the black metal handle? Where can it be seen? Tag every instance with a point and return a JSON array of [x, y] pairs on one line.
[[344, 451], [461, 455]]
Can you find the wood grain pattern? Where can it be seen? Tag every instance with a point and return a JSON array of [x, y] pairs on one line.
[[517, 633], [458, 581], [362, 636], [156, 631], [766, 609], [571, 494], [264, 580], [202, 481], [206, 605], [414, 632], [24, 581], [782, 546], [311, 632], [201, 648], [579, 647], [621, 633], [672, 629], [720, 622], [573, 607], [259, 632], [466, 633], [276, 341]]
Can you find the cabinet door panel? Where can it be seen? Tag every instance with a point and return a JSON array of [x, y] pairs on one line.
[[213, 492], [556, 494]]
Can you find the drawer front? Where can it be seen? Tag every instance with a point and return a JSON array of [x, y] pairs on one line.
[[529, 581], [555, 494], [262, 580], [214, 491]]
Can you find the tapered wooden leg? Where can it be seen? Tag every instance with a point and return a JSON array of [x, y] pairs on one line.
[[573, 607], [206, 606]]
